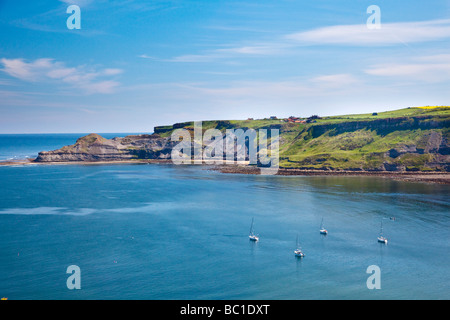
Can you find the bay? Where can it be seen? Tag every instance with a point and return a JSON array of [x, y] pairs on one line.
[[181, 232]]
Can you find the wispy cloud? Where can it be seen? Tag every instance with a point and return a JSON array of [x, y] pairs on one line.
[[236, 92], [262, 49], [434, 68], [48, 70], [77, 2], [144, 56], [389, 34], [335, 80], [252, 50], [399, 33]]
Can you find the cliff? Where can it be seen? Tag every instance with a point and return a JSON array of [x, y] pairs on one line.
[[412, 139], [96, 148], [418, 143]]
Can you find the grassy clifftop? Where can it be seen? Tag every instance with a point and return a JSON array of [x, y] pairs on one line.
[[411, 139], [415, 139]]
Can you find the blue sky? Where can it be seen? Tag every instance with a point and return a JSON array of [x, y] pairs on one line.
[[137, 64]]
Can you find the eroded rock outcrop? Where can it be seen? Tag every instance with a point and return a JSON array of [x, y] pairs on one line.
[[94, 147]]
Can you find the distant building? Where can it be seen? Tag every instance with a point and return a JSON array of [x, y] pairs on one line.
[[250, 119], [293, 119], [273, 118]]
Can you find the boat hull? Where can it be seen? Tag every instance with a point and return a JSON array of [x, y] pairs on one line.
[[299, 254]]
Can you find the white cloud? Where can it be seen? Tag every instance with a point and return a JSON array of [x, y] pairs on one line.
[[398, 33], [252, 50], [47, 70], [144, 56], [443, 58], [101, 87], [261, 49], [112, 71], [23, 70], [389, 34], [59, 73], [335, 80], [194, 58], [435, 68], [80, 3]]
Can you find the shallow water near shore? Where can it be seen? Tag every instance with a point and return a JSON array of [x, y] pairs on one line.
[[174, 232]]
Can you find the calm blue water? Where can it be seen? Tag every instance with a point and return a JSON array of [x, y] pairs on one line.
[[174, 232]]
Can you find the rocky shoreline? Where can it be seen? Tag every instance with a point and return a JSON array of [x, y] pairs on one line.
[[432, 177], [429, 177]]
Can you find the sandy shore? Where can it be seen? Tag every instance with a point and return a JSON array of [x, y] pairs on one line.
[[430, 177]]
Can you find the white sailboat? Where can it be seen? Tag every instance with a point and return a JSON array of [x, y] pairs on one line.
[[252, 236], [322, 229], [381, 238], [299, 252]]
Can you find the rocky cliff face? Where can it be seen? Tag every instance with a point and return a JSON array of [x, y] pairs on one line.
[[433, 153], [375, 146], [383, 126], [93, 147], [407, 143]]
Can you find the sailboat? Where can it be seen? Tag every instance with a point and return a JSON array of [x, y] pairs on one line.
[[298, 252], [322, 229], [381, 238], [252, 236]]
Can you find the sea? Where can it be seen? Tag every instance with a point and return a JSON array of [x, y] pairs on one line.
[[170, 232]]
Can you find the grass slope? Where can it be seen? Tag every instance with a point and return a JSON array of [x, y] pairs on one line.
[[406, 139]]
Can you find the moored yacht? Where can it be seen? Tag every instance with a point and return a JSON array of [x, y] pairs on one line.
[[252, 236], [299, 252], [381, 238], [322, 229]]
